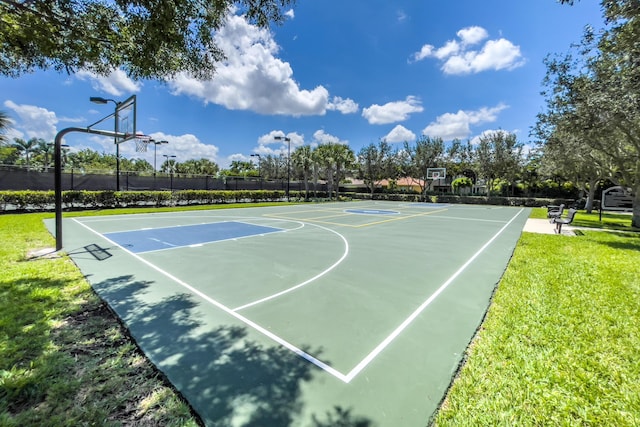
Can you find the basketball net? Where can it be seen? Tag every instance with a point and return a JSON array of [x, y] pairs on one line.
[[142, 143]]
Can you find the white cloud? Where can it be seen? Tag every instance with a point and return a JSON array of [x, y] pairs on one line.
[[290, 14], [117, 83], [450, 48], [472, 35], [458, 125], [392, 112], [184, 147], [321, 137], [345, 106], [459, 58], [399, 134], [265, 141], [252, 78], [425, 52], [33, 122]]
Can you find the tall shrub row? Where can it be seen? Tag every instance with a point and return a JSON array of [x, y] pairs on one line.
[[45, 200]]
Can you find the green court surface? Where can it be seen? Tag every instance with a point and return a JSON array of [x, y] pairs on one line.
[[302, 315]]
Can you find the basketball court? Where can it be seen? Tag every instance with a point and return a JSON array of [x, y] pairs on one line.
[[302, 315]]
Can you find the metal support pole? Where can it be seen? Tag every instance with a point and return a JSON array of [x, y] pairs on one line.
[[57, 158]]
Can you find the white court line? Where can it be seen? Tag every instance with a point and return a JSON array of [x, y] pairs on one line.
[[293, 288], [320, 364], [458, 218], [376, 351]]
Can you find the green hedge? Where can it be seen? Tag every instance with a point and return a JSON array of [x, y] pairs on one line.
[[468, 200], [45, 200], [11, 201]]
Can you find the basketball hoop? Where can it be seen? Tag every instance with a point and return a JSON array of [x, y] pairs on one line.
[[142, 143], [436, 173]]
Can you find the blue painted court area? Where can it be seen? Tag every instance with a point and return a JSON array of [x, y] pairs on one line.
[[155, 239]]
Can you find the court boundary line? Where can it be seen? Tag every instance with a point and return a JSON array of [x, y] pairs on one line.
[[396, 332], [346, 378], [301, 353], [459, 218]]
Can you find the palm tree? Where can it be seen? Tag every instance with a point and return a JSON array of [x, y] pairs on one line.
[[303, 160], [344, 158], [46, 149], [324, 155], [4, 125], [25, 146]]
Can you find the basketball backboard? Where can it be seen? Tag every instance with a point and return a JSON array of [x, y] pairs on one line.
[[436, 173], [124, 115], [126, 120]]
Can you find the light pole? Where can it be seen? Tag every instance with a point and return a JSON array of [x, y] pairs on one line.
[[100, 100], [155, 154], [170, 166], [259, 165], [288, 141]]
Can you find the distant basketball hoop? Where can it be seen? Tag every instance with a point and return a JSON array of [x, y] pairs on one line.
[[436, 173]]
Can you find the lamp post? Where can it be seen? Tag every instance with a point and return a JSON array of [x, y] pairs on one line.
[[155, 154], [259, 166], [100, 100], [170, 156], [288, 141]]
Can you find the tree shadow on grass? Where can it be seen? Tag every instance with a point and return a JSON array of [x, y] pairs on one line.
[[227, 377], [624, 241], [27, 306]]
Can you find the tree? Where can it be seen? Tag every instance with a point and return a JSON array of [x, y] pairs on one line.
[[136, 165], [4, 125], [8, 155], [147, 38], [169, 166], [459, 159], [43, 153], [426, 153], [302, 159], [241, 168], [499, 156], [566, 150], [334, 160], [199, 167], [376, 162], [26, 147], [596, 92]]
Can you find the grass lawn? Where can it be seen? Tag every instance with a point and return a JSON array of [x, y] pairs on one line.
[[559, 345]]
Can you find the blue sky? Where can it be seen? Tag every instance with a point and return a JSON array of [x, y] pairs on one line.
[[351, 72]]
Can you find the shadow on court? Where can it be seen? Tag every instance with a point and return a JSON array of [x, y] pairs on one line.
[[227, 378]]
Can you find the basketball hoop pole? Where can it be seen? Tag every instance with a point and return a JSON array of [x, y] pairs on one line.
[[57, 159]]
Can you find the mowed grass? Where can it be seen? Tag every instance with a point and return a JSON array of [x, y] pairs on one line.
[[64, 358], [610, 220], [561, 341], [559, 345]]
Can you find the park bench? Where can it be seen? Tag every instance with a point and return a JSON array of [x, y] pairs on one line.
[[555, 211], [559, 221]]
